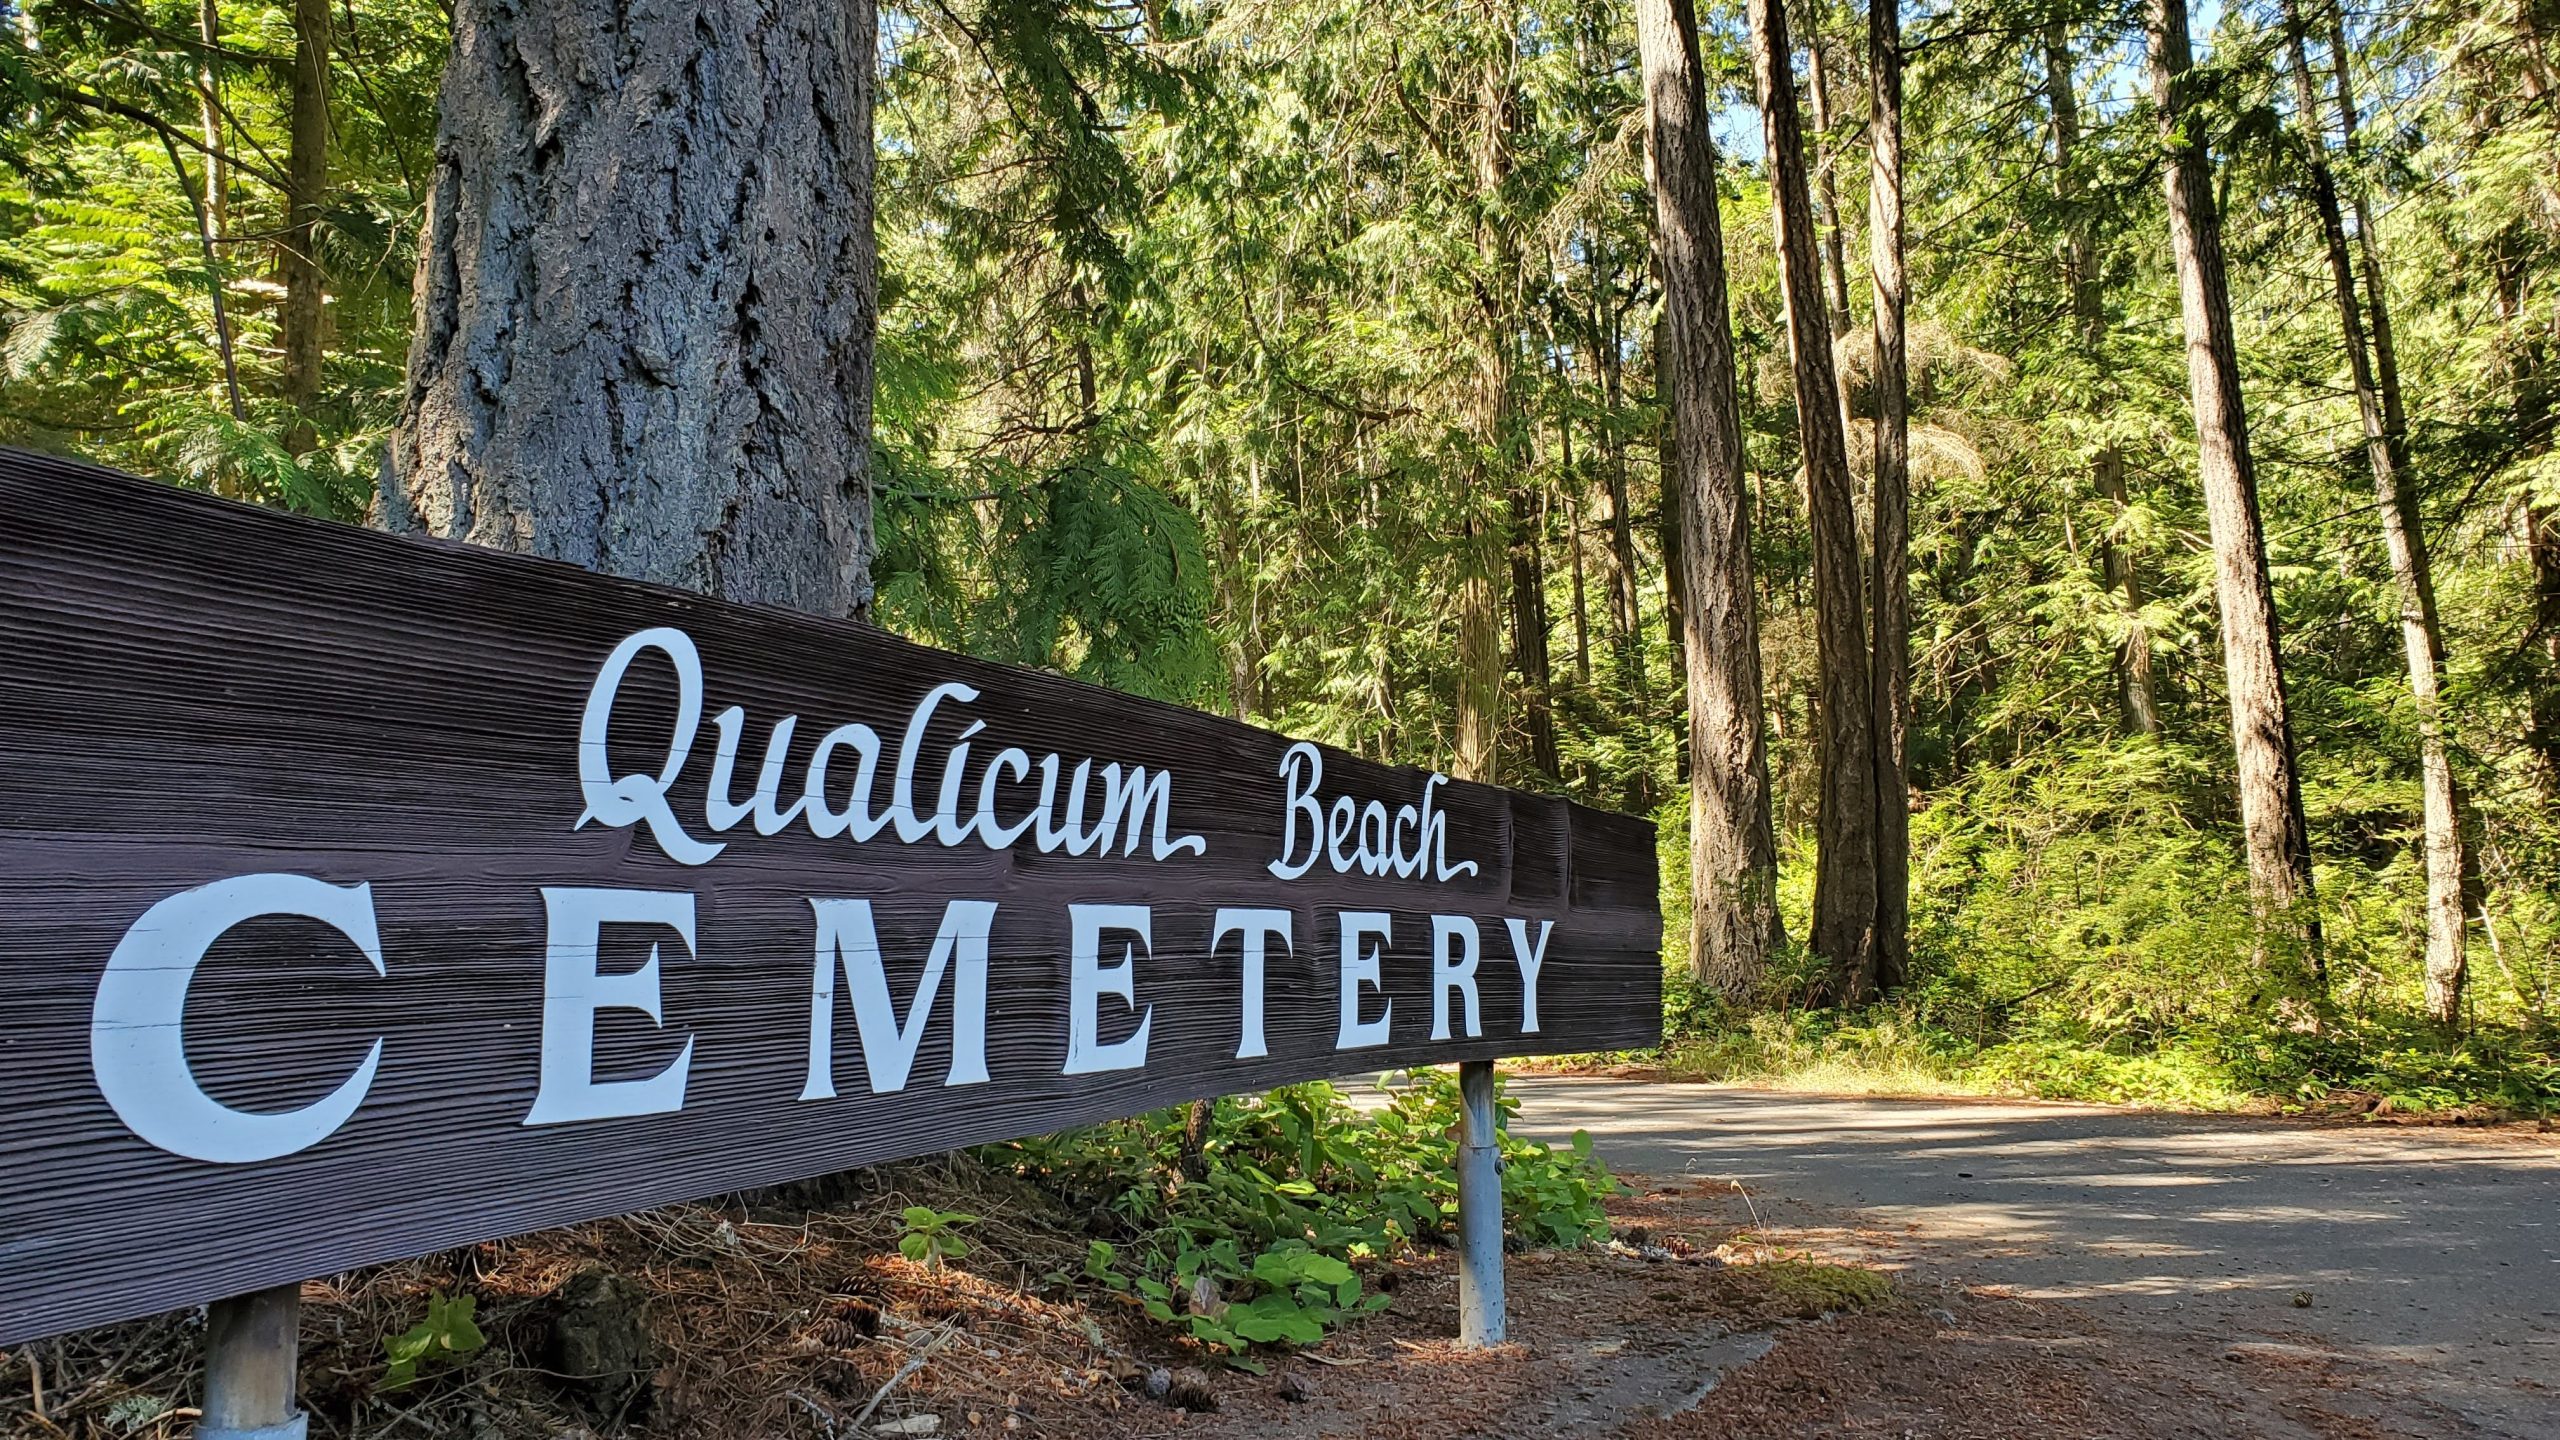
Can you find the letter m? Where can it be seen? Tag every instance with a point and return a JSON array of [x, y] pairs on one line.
[[1140, 802], [850, 943]]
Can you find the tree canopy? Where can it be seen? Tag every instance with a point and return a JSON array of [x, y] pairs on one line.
[[1237, 352]]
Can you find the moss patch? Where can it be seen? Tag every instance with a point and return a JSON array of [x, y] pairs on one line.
[[1809, 1288]]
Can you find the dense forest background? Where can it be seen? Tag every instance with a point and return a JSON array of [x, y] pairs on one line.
[[1287, 357]]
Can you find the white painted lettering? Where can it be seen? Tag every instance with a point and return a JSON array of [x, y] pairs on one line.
[[855, 818], [1000, 836], [723, 812], [620, 800], [137, 1035], [850, 943], [573, 991], [1360, 968], [1257, 927], [1453, 967], [902, 794], [1088, 980], [1530, 958], [1352, 835], [1136, 802], [1301, 771]]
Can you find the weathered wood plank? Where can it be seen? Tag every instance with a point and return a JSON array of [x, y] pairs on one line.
[[193, 691]]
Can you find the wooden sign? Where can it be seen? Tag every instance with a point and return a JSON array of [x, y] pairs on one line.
[[363, 896]]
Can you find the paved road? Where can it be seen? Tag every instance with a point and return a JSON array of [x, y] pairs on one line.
[[2432, 1256]]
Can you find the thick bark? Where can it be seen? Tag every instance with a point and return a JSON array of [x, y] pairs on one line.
[[1529, 629], [2136, 690], [1734, 922], [1844, 892], [2405, 545], [1892, 523], [645, 300], [307, 166], [2271, 818]]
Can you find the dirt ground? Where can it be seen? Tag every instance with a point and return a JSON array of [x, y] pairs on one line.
[[1740, 1334], [775, 1322]]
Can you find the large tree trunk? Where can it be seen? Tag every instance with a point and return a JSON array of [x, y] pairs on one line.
[[1734, 922], [1844, 892], [307, 167], [1892, 523], [2405, 545], [1529, 628], [2271, 819], [2137, 691], [1481, 548], [645, 300]]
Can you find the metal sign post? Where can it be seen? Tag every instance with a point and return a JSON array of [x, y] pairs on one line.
[[1481, 1319], [251, 1346]]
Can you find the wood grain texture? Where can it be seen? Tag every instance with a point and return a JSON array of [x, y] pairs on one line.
[[192, 690]]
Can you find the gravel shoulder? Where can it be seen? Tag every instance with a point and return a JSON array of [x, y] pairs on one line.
[[2418, 1263]]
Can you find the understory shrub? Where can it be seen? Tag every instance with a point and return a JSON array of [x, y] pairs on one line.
[[1266, 1234]]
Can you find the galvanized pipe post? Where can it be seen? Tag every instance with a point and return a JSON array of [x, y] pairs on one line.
[[252, 1348], [1481, 1319]]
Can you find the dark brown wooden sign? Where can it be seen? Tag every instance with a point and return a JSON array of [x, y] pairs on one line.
[[364, 896]]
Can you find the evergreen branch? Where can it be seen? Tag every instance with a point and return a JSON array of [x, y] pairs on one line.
[[193, 44], [162, 128]]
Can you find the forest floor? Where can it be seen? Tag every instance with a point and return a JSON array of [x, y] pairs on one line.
[[1765, 1345], [1707, 1317], [1784, 1266]]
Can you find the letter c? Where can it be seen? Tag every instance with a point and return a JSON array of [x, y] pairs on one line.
[[137, 1046]]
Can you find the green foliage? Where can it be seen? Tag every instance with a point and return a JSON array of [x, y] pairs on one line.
[[448, 1333], [110, 345], [1297, 1194], [929, 1236], [1208, 334]]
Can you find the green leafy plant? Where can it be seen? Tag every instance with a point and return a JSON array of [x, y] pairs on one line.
[[932, 1236], [448, 1333], [1295, 1194]]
